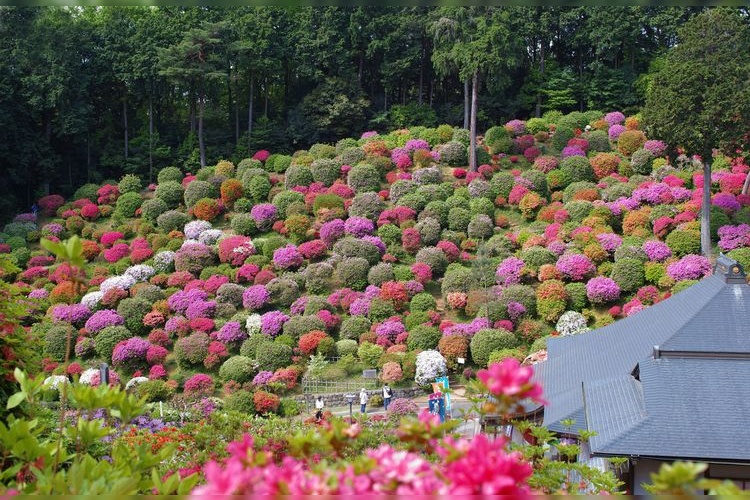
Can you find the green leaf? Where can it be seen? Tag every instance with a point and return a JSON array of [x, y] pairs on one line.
[[15, 400]]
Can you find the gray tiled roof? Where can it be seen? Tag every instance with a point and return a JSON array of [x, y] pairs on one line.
[[680, 408], [709, 316]]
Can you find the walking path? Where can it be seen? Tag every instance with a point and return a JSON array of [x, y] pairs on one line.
[[469, 427]]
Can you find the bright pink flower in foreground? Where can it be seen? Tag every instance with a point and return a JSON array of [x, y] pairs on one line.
[[510, 379]]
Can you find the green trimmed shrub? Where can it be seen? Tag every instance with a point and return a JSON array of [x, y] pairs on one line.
[[577, 298], [197, 190], [298, 175], [151, 209], [237, 368], [133, 310], [240, 401], [346, 346], [368, 205], [326, 171], [487, 340], [284, 199], [353, 326], [577, 168], [300, 325], [129, 183], [106, 340], [257, 188], [56, 341], [273, 355], [363, 177], [684, 242], [561, 137], [127, 204], [369, 354], [168, 174], [454, 154], [250, 346], [243, 224], [380, 273], [422, 301], [352, 272], [191, 350], [380, 310], [170, 192], [423, 337], [629, 274]]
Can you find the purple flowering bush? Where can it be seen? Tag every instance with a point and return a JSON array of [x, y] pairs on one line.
[[180, 300], [509, 271], [690, 267], [332, 231], [74, 313], [601, 290], [272, 322], [130, 353], [359, 226], [264, 215], [731, 237], [262, 378], [102, 319], [201, 309], [231, 332], [575, 266], [656, 251], [255, 297], [287, 257]]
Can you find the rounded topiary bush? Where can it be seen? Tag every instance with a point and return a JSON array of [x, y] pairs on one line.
[[422, 302], [349, 247], [684, 242], [369, 354], [598, 141], [354, 326], [346, 346], [240, 401], [498, 140], [368, 205], [106, 340], [127, 204], [423, 337], [168, 174], [577, 168], [352, 272], [151, 209], [363, 177], [487, 340], [298, 175], [380, 273], [273, 355], [170, 192], [630, 141], [237, 368], [326, 171], [191, 350], [243, 224], [197, 190], [628, 273], [133, 310], [171, 220], [454, 154], [249, 347], [433, 257], [129, 183], [56, 341]]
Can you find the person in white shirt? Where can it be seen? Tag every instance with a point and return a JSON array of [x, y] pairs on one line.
[[319, 405], [387, 395], [363, 400]]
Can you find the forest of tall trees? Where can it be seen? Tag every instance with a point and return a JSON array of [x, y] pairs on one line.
[[90, 93]]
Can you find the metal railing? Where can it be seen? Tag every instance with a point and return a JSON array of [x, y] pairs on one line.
[[317, 386]]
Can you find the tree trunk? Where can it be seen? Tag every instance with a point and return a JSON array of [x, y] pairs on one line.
[[473, 129], [706, 212], [150, 138], [265, 106], [538, 110], [746, 186], [466, 103], [125, 123], [361, 67], [250, 110], [88, 157], [201, 144], [421, 74]]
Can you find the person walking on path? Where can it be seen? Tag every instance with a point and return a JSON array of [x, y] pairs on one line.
[[387, 395], [363, 400], [319, 405]]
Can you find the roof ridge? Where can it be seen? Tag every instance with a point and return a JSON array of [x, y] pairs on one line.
[[707, 303]]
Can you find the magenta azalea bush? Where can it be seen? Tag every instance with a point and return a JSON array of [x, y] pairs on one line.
[[601, 290]]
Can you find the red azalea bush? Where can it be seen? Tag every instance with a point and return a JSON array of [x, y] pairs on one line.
[[308, 342], [50, 203], [198, 384], [265, 402]]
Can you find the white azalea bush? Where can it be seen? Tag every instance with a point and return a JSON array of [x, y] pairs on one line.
[[571, 323], [430, 364]]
